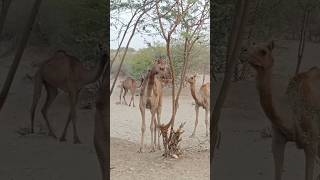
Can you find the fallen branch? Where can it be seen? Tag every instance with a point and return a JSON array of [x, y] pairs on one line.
[[171, 143]]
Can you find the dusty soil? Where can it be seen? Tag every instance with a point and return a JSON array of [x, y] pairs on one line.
[[38, 157], [125, 134]]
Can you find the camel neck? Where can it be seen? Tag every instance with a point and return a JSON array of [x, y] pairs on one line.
[[194, 93], [264, 87], [150, 84]]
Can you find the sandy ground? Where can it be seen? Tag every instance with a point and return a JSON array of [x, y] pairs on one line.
[[38, 157], [125, 133]]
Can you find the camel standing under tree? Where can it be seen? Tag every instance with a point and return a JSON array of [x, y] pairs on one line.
[[303, 127], [151, 98], [65, 72], [129, 84], [202, 99]]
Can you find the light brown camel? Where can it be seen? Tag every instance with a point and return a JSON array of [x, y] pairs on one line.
[[67, 73], [202, 99], [129, 84], [151, 98], [303, 125]]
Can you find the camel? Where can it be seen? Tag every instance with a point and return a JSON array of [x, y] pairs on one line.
[[65, 72], [303, 125], [129, 84], [202, 99], [151, 98]]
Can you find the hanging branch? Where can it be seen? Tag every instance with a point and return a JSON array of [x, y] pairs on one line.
[[130, 38], [19, 53]]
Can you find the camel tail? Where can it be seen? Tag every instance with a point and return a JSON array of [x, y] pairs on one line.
[[36, 96]]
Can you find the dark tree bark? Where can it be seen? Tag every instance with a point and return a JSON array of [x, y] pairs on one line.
[[303, 31], [19, 53], [239, 19], [102, 125], [4, 12]]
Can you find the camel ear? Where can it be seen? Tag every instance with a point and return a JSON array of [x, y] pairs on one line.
[[270, 45]]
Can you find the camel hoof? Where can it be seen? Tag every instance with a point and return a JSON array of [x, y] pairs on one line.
[[77, 141], [51, 134], [152, 150], [140, 150], [192, 136], [159, 147], [62, 139]]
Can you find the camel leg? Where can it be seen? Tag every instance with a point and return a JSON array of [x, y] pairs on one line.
[[207, 122], [52, 93], [152, 131], [124, 96], [310, 156], [72, 116], [36, 96], [121, 94], [196, 123], [158, 119], [143, 126], [278, 148], [131, 98]]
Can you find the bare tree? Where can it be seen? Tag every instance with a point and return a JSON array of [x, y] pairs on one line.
[[144, 9], [239, 19], [192, 27], [19, 53]]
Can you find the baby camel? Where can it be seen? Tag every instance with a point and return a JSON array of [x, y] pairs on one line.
[[202, 99], [303, 126], [129, 84], [65, 72]]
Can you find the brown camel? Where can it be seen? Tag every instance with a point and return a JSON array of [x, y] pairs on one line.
[[129, 84], [202, 99], [65, 72], [151, 98], [303, 126]]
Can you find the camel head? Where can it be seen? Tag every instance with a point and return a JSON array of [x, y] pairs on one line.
[[260, 57], [160, 67], [192, 79]]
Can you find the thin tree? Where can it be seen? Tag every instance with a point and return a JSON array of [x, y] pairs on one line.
[[239, 19], [145, 9], [102, 125], [304, 27], [19, 53]]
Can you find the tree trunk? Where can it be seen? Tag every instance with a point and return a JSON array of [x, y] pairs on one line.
[[4, 12], [19, 53], [302, 38], [239, 20], [102, 125]]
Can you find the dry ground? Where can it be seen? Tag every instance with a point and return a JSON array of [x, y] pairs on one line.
[[126, 163]]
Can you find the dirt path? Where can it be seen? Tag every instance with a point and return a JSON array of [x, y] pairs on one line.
[[38, 157], [126, 131]]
